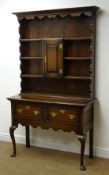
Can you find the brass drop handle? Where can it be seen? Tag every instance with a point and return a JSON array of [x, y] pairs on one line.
[[62, 111], [27, 107], [36, 112], [53, 114], [71, 116], [19, 110]]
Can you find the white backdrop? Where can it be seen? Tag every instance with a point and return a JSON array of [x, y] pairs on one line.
[[10, 75]]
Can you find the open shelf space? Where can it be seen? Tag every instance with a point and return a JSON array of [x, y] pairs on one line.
[[32, 67], [58, 27], [31, 49], [77, 48], [64, 86], [77, 69]]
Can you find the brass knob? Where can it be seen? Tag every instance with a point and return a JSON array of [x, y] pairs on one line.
[[19, 110], [53, 114], [71, 116], [35, 112]]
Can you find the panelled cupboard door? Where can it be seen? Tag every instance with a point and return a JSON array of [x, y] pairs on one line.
[[53, 58]]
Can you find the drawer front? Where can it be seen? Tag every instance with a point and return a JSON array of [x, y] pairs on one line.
[[28, 110], [63, 114]]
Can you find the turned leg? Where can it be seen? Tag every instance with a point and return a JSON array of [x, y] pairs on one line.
[[27, 136], [12, 129], [82, 141], [91, 143]]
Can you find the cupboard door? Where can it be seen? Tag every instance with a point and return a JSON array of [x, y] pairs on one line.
[[53, 58]]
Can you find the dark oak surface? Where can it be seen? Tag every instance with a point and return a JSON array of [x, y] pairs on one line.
[[50, 98], [57, 55]]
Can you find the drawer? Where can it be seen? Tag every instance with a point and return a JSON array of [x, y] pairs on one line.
[[63, 114], [28, 110]]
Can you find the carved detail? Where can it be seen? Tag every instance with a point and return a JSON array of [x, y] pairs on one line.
[[51, 16]]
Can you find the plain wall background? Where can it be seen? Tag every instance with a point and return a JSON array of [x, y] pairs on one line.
[[10, 74]]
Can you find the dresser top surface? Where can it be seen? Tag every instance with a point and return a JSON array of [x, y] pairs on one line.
[[51, 99]]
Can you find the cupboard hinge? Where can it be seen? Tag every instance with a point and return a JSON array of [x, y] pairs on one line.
[[60, 46], [45, 59], [60, 71]]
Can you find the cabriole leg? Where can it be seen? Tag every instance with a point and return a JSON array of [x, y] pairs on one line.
[[12, 129], [82, 140]]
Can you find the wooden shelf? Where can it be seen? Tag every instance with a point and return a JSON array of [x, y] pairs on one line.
[[38, 39], [66, 77], [78, 38], [31, 58], [31, 76], [28, 40], [68, 39], [77, 78], [77, 58]]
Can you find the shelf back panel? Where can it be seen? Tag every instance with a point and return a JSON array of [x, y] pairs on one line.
[[68, 27], [56, 86]]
